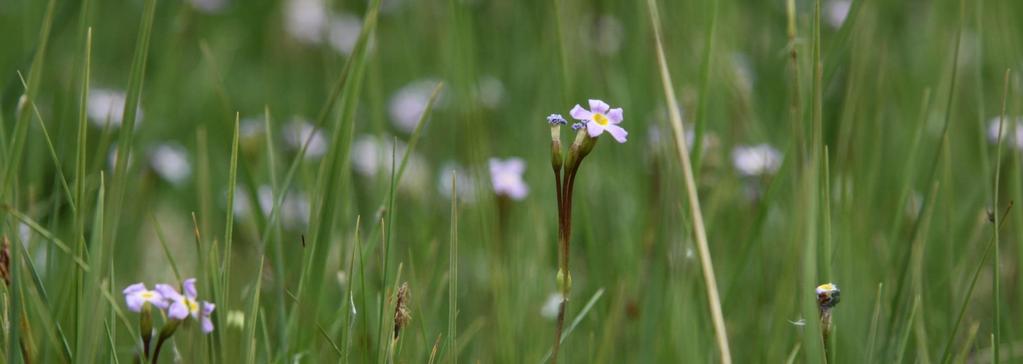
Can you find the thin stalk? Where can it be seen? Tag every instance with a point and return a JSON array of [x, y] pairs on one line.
[[713, 299], [994, 206]]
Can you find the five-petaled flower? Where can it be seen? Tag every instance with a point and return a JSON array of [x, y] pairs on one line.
[[137, 295], [601, 117], [506, 176], [184, 305]]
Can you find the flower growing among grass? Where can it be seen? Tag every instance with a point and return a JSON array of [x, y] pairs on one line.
[[599, 118], [506, 177], [176, 306]]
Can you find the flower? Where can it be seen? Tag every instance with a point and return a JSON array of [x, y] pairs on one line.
[[298, 131], [506, 176], [170, 161], [556, 119], [184, 306], [490, 91], [1015, 141], [465, 184], [344, 32], [756, 160], [599, 118], [836, 12], [306, 20], [107, 104], [137, 295], [577, 126], [371, 155], [409, 103]]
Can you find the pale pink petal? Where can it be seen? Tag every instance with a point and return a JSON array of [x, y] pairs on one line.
[[168, 292], [580, 114], [137, 287], [134, 302], [599, 106], [615, 115], [618, 133], [178, 310], [190, 288], [207, 325], [594, 129]]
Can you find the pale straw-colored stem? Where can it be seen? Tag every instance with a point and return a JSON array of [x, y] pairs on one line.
[[713, 299]]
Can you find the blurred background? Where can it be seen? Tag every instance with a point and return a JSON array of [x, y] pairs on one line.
[[900, 223]]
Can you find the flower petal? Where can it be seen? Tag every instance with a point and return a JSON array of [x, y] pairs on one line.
[[177, 311], [207, 325], [618, 133], [134, 302], [594, 129], [137, 287], [580, 114], [207, 308], [615, 115], [168, 292], [599, 106], [190, 288]]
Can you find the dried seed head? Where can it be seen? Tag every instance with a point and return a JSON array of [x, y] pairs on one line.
[[402, 315], [827, 296]]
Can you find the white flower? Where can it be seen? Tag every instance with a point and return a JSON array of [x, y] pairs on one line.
[[344, 32], [372, 155], [408, 103], [306, 20], [551, 306], [107, 104], [298, 130], [294, 210], [836, 11], [1011, 128], [491, 91], [465, 184], [756, 160], [170, 161]]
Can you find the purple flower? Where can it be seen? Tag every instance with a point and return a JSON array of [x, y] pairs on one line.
[[556, 119], [578, 126], [137, 295], [183, 306], [601, 117], [506, 176]]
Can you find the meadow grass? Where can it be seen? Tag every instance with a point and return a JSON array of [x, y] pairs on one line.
[[306, 160]]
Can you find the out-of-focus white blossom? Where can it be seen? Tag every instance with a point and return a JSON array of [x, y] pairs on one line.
[[408, 103], [170, 161], [298, 130]]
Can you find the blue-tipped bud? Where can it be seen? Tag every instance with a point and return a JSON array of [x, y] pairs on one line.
[[578, 126], [556, 119]]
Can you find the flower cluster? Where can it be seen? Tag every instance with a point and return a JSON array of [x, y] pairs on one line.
[[176, 305]]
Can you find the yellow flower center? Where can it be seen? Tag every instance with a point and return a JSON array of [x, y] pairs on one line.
[[193, 306], [148, 295], [600, 119]]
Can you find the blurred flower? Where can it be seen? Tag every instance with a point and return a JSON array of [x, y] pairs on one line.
[[756, 160], [209, 6], [408, 103], [836, 11], [185, 305], [506, 177], [550, 307], [294, 209], [107, 104], [371, 155], [1013, 127], [744, 76], [601, 117], [344, 32], [113, 155], [603, 33], [465, 185], [170, 161], [577, 126], [306, 20], [298, 131], [235, 318], [137, 295], [491, 91]]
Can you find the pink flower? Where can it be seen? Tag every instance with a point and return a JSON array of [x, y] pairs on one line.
[[186, 305], [601, 117], [506, 176]]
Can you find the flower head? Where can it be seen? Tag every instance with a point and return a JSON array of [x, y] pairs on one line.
[[137, 295], [601, 117], [183, 306], [827, 295], [577, 126], [756, 160], [170, 161], [556, 119], [506, 176]]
